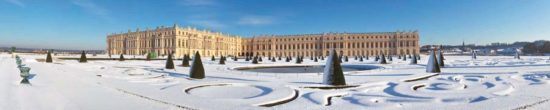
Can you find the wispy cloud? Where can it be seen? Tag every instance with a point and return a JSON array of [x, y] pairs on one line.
[[256, 20], [16, 2], [214, 24], [95, 9], [198, 2]]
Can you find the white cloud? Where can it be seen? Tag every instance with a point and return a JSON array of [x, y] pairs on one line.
[[16, 2], [198, 2], [256, 20], [93, 8], [208, 24]]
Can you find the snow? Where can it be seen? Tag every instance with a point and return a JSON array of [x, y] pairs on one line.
[[488, 82]]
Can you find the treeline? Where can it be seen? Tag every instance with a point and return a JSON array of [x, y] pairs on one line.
[[537, 47]]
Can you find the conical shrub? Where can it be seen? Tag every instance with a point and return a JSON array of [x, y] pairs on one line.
[[235, 58], [185, 61], [474, 55], [260, 59], [148, 57], [432, 66], [367, 57], [121, 58], [398, 56], [333, 73], [390, 58], [49, 57], [414, 60], [287, 59], [197, 70], [255, 60], [280, 58], [361, 59], [298, 60], [404, 58], [213, 58], [346, 59], [273, 59], [315, 59], [440, 59], [169, 62], [83, 58], [222, 60], [383, 59]]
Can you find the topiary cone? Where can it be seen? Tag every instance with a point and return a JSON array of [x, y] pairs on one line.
[[197, 70], [169, 62], [432, 66], [333, 73], [49, 57], [121, 58], [83, 58], [185, 61]]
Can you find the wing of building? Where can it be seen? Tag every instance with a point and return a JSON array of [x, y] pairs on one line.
[[179, 40]]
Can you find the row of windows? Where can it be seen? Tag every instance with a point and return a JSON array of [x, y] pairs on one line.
[[318, 53], [333, 45], [332, 38]]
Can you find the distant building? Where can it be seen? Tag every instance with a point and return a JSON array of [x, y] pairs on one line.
[[188, 40]]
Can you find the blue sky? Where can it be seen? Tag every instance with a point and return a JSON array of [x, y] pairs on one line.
[[84, 24]]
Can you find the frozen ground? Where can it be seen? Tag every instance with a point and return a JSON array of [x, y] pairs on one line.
[[490, 82]]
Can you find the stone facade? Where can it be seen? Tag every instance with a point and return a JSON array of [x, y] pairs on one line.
[[188, 40]]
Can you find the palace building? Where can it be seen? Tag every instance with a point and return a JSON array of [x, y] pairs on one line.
[[180, 41]]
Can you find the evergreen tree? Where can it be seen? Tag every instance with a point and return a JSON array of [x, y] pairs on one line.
[[315, 59], [440, 59], [273, 59], [185, 61], [197, 70], [121, 58], [413, 60], [398, 56], [390, 57], [298, 60], [235, 58], [355, 58], [279, 58], [432, 66], [404, 57], [49, 57], [148, 57], [260, 59], [346, 58], [287, 59], [213, 58], [333, 73], [169, 62], [255, 60], [367, 57], [222, 60], [12, 50], [83, 58], [383, 59], [474, 55], [360, 59]]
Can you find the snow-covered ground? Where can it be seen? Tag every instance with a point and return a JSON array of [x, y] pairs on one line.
[[490, 82]]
